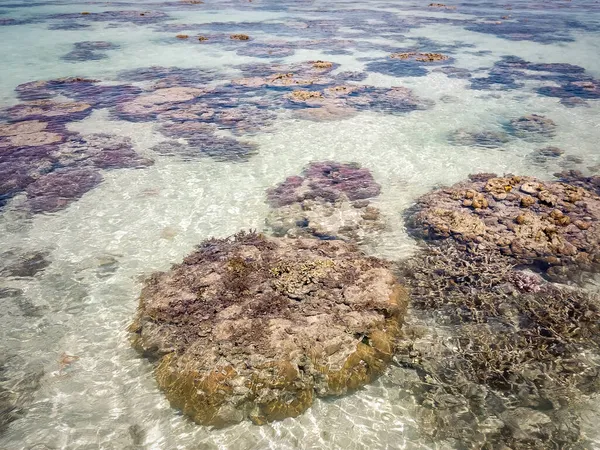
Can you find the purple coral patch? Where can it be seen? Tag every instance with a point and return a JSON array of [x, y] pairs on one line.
[[58, 189], [327, 180]]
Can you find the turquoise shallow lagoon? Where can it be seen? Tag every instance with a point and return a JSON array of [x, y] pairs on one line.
[[136, 77]]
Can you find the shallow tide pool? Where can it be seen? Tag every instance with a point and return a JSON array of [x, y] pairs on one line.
[[73, 262]]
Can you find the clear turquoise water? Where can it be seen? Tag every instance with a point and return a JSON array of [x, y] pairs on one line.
[[141, 220]]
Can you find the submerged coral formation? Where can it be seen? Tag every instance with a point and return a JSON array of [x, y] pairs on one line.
[[89, 51], [545, 224], [485, 139], [421, 57], [250, 327], [59, 188], [329, 200], [494, 355], [533, 126]]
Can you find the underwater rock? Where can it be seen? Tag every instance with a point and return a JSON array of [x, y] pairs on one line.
[[328, 201], [485, 139], [532, 126], [56, 190], [552, 226], [490, 347], [250, 327]]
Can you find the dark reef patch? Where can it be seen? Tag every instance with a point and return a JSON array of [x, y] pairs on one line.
[[58, 189], [89, 51], [136, 17]]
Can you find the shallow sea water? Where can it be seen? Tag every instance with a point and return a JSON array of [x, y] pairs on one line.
[[138, 221]]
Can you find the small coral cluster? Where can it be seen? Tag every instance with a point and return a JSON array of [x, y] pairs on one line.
[[329, 200], [89, 51], [532, 127], [421, 57]]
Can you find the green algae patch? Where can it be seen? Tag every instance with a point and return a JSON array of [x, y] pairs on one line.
[[255, 328]]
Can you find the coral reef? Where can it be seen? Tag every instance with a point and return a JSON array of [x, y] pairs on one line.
[[170, 76], [576, 178], [89, 51], [266, 50], [420, 57], [148, 105], [454, 72], [496, 356], [342, 101], [61, 187], [549, 225], [250, 327], [47, 110], [329, 200], [103, 151], [28, 133], [200, 140], [327, 180], [45, 89], [127, 16], [532, 126], [216, 147]]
